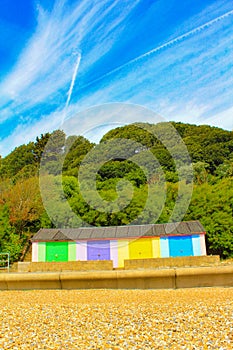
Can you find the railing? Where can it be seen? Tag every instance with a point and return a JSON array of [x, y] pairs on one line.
[[5, 261]]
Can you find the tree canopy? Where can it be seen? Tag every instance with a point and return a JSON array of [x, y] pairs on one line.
[[136, 174]]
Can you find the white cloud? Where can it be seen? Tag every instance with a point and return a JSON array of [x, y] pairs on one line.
[[92, 123], [186, 81], [223, 119], [100, 117], [46, 64], [189, 112], [27, 132]]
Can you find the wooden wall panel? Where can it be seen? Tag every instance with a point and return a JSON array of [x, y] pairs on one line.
[[156, 247], [114, 252], [81, 250], [35, 252], [41, 251], [164, 247], [196, 245], [123, 252], [72, 251]]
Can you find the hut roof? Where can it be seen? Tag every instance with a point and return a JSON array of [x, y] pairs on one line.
[[118, 232]]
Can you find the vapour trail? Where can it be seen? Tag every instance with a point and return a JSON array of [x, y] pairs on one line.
[[165, 45], [73, 80]]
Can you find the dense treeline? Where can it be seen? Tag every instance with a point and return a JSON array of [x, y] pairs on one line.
[[134, 175]]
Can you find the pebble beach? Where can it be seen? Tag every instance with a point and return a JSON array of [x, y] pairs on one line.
[[117, 319]]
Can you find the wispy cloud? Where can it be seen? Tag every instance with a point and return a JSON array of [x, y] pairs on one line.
[[27, 132], [46, 64], [73, 79], [166, 45], [188, 77], [194, 74], [224, 119]]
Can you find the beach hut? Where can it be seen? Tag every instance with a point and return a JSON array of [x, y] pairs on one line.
[[118, 243]]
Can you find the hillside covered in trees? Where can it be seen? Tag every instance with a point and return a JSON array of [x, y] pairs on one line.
[[135, 169]]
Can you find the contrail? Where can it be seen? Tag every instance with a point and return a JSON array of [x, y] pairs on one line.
[[73, 80], [165, 45]]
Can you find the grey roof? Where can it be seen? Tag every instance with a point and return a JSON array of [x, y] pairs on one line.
[[118, 232]]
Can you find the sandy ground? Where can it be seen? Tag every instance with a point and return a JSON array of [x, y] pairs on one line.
[[117, 319]]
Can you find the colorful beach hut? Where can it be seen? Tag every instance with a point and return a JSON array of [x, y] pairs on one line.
[[118, 243]]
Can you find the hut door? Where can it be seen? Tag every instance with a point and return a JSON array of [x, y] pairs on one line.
[[140, 249], [180, 246], [98, 250], [57, 251]]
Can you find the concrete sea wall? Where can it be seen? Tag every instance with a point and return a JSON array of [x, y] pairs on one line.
[[128, 264], [169, 278]]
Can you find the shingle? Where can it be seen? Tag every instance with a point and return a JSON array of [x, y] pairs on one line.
[[171, 228], [45, 235], [183, 227], [146, 230], [97, 232], [85, 233], [60, 236], [159, 230], [195, 226], [114, 232], [72, 234], [122, 231], [110, 231], [134, 231]]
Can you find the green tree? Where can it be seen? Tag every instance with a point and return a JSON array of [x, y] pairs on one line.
[[40, 145], [213, 206], [10, 242], [17, 160], [24, 203], [76, 149]]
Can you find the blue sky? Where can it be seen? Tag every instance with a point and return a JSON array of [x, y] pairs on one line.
[[59, 58]]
